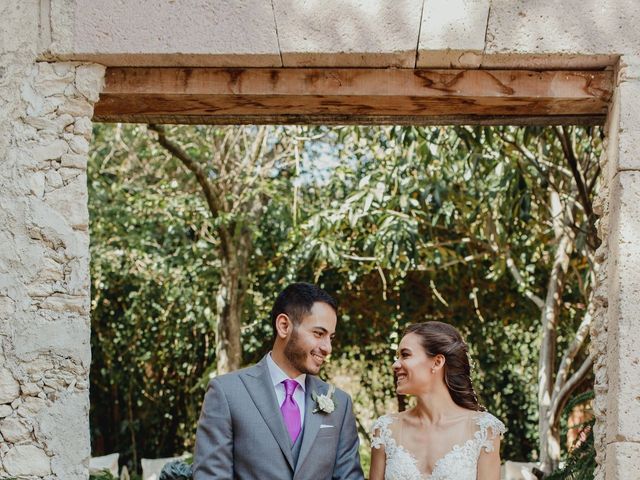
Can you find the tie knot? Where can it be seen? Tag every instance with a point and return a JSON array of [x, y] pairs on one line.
[[290, 386]]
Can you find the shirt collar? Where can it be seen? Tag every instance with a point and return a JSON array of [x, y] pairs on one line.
[[278, 376]]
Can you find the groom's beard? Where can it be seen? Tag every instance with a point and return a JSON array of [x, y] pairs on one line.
[[296, 354]]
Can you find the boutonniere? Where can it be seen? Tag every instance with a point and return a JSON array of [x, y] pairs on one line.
[[324, 402]]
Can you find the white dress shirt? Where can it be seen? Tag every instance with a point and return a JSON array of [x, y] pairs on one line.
[[277, 377]]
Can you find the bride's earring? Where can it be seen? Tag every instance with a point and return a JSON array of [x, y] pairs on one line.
[[433, 370]]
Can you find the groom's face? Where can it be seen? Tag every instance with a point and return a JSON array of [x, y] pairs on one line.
[[310, 341]]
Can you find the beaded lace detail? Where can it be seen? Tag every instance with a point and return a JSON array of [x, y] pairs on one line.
[[460, 463]]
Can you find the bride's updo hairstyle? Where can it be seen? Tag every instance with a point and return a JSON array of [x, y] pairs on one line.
[[439, 338]]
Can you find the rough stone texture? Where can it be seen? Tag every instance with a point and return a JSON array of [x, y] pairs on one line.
[[623, 354], [628, 111], [453, 33], [5, 410], [624, 461], [44, 259], [9, 387], [68, 435], [158, 33], [615, 325], [598, 329], [354, 33], [27, 460], [15, 429]]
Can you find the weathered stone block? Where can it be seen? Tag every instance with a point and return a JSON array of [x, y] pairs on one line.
[[50, 151], [628, 155], [65, 303], [41, 335], [89, 80], [27, 460], [575, 28], [9, 386], [226, 34], [74, 161], [31, 406], [64, 426], [5, 411], [83, 127], [68, 174], [623, 350], [37, 184], [623, 461], [37, 104], [31, 389], [54, 180], [71, 202], [14, 429], [452, 33], [79, 145], [48, 82], [53, 228], [355, 33], [42, 123], [75, 107]]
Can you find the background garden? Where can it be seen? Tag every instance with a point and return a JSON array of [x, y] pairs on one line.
[[195, 229]]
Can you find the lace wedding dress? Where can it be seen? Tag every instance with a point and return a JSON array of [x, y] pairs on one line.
[[460, 463]]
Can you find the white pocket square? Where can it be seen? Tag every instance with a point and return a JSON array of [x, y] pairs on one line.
[[327, 426]]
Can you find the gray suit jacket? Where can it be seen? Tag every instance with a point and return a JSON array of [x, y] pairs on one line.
[[241, 433]]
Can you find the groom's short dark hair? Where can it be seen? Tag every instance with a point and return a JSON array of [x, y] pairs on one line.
[[297, 300]]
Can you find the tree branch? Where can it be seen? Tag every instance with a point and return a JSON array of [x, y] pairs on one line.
[[570, 353], [515, 273], [201, 176], [567, 148], [559, 400]]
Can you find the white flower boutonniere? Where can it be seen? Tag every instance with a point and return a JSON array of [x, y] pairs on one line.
[[324, 402]]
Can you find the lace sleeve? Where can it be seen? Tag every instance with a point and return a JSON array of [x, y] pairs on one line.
[[490, 429], [380, 433]]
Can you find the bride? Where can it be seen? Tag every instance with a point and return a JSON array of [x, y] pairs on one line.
[[447, 435]]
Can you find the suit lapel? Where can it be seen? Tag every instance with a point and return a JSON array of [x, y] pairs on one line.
[[312, 421], [257, 381]]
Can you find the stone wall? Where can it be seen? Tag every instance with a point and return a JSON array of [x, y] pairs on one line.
[[622, 355], [45, 129]]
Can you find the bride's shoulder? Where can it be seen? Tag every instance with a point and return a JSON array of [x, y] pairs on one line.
[[488, 422], [381, 435], [384, 421], [385, 424]]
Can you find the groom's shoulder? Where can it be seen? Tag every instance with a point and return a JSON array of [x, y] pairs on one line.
[[232, 378]]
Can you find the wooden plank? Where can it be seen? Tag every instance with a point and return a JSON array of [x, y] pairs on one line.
[[583, 120], [213, 95]]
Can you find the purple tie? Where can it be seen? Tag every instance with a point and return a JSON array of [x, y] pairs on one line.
[[290, 410]]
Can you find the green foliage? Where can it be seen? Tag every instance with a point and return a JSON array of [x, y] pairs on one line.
[[152, 273], [403, 224], [580, 462], [104, 475]]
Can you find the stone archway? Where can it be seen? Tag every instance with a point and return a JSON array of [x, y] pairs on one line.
[[48, 91]]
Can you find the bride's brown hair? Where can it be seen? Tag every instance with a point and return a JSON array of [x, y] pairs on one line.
[[438, 338]]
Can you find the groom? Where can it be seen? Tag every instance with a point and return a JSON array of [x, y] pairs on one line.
[[277, 420]]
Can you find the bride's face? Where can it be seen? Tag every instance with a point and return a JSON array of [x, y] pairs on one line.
[[412, 367]]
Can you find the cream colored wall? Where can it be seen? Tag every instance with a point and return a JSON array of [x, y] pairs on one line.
[[374, 33], [45, 129]]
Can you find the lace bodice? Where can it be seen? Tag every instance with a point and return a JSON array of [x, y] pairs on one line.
[[460, 463]]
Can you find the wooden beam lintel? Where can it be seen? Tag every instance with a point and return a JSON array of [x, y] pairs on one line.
[[348, 96]]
